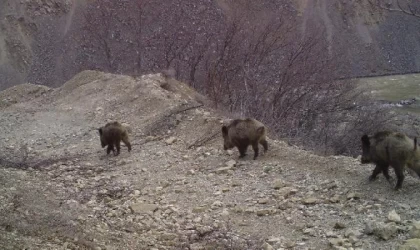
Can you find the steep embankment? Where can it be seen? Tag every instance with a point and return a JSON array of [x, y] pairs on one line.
[[177, 189], [368, 39], [21, 23]]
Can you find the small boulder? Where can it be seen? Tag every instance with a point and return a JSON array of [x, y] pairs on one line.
[[415, 230], [230, 164], [279, 183], [142, 208], [171, 140], [394, 217], [411, 244], [267, 246], [380, 229], [310, 201]]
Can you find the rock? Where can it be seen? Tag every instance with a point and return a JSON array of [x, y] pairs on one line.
[[223, 170], [393, 216], [249, 210], [352, 233], [285, 205], [331, 234], [230, 164], [330, 185], [339, 225], [263, 201], [196, 246], [273, 240], [278, 184], [149, 139], [267, 246], [267, 169], [405, 206], [237, 209], [337, 242], [168, 236], [353, 240], [415, 230], [216, 204], [335, 199], [225, 213], [287, 191], [380, 229], [289, 244], [310, 201], [171, 140], [141, 208], [353, 195], [411, 244], [341, 248], [199, 209], [369, 227], [236, 184], [309, 231], [263, 212]]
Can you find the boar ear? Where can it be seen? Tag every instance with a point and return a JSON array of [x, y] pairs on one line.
[[100, 131], [224, 130], [365, 140]]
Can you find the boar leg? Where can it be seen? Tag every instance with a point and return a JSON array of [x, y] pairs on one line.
[[110, 148], [242, 151], [378, 169], [399, 172], [385, 171], [255, 147]]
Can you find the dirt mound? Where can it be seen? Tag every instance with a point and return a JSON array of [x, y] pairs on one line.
[[92, 98], [21, 93]]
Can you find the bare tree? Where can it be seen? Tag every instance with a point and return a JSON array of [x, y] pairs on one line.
[[248, 58], [408, 7], [99, 25]]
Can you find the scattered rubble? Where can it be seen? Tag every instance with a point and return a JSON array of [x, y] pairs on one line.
[[165, 196]]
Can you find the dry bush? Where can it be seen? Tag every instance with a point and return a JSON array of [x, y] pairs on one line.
[[248, 58], [267, 71], [409, 7]]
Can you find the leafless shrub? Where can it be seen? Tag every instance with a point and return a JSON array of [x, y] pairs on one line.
[[268, 72], [408, 7], [252, 61]]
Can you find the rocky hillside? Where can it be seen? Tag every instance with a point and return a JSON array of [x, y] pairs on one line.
[[177, 188], [373, 40], [45, 41]]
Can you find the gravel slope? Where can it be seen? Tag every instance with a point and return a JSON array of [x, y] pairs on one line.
[[177, 189]]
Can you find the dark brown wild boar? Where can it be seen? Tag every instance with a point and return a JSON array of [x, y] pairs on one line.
[[393, 149], [111, 135], [241, 133]]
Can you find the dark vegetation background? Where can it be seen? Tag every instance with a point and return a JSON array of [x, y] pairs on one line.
[[282, 62]]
